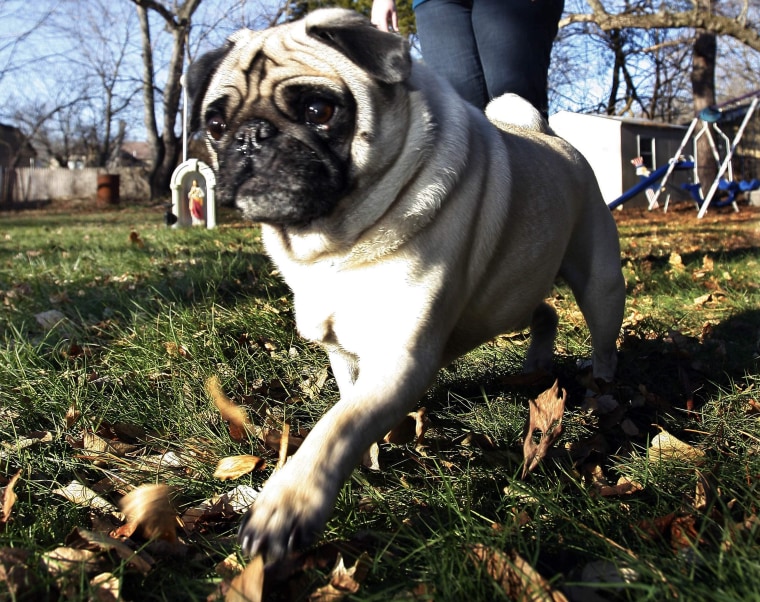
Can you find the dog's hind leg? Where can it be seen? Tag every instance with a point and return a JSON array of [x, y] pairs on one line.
[[543, 331], [592, 269]]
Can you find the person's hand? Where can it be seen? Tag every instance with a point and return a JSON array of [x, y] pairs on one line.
[[384, 15]]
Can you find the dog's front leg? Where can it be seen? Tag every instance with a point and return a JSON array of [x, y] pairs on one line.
[[345, 368], [296, 501]]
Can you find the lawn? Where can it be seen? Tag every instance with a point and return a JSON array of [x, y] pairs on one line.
[[113, 324]]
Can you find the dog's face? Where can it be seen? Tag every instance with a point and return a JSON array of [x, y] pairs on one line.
[[290, 132]]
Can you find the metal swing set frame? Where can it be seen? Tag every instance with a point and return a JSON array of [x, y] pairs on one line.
[[709, 118]]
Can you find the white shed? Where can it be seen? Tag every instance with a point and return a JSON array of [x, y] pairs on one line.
[[609, 144]]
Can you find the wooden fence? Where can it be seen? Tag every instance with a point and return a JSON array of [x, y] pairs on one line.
[[29, 185]]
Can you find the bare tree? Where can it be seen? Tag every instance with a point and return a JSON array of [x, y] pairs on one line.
[[736, 22], [166, 142], [103, 36], [691, 29]]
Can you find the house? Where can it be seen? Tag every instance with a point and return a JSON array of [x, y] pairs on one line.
[[15, 151], [134, 153], [15, 148], [610, 143]]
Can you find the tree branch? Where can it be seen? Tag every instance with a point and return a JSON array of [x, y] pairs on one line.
[[716, 24]]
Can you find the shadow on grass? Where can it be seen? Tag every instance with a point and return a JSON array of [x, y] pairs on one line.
[[686, 370]]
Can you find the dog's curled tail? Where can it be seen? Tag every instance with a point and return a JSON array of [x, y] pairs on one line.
[[510, 110]]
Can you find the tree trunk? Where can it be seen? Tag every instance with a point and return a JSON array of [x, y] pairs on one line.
[[166, 146], [703, 86], [149, 99]]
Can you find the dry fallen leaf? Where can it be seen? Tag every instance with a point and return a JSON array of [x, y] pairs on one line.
[[175, 350], [15, 574], [235, 501], [134, 238], [515, 576], [236, 416], [72, 416], [65, 560], [273, 440], [234, 467], [676, 261], [50, 319], [248, 586], [81, 495], [94, 443], [624, 486], [343, 581], [411, 429], [149, 508], [545, 416], [229, 567], [701, 300], [8, 499], [371, 458], [105, 587], [665, 446], [82, 539], [282, 456], [8, 448]]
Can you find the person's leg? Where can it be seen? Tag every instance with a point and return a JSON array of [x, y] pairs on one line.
[[449, 48], [514, 40]]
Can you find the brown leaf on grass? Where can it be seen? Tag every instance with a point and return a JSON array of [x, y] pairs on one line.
[[248, 586], [624, 486], [234, 467], [82, 539], [220, 507], [515, 576], [94, 443], [282, 455], [6, 448], [703, 299], [229, 568], [64, 561], [134, 239], [239, 423], [708, 265], [14, 572], [678, 532], [273, 439], [312, 386], [675, 261], [371, 458], [175, 350], [410, 430], [81, 495], [105, 587], [545, 416], [8, 499], [150, 509], [665, 446], [343, 581], [72, 416], [50, 319]]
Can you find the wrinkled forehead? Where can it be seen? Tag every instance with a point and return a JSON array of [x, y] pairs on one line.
[[262, 62]]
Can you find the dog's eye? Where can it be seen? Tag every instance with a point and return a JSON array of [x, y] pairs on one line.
[[216, 126], [318, 111]]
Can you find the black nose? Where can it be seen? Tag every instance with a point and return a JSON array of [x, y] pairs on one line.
[[249, 137]]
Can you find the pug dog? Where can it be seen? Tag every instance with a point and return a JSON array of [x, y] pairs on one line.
[[409, 227]]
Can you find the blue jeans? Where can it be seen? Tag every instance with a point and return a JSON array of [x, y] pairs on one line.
[[488, 47]]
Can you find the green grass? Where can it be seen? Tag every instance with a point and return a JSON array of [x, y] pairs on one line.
[[146, 324]]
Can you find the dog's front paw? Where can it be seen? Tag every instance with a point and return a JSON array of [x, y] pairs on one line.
[[288, 513]]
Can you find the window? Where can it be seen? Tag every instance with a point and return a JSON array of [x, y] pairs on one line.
[[646, 150]]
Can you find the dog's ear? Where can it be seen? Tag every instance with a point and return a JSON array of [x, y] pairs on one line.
[[197, 79], [386, 56]]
